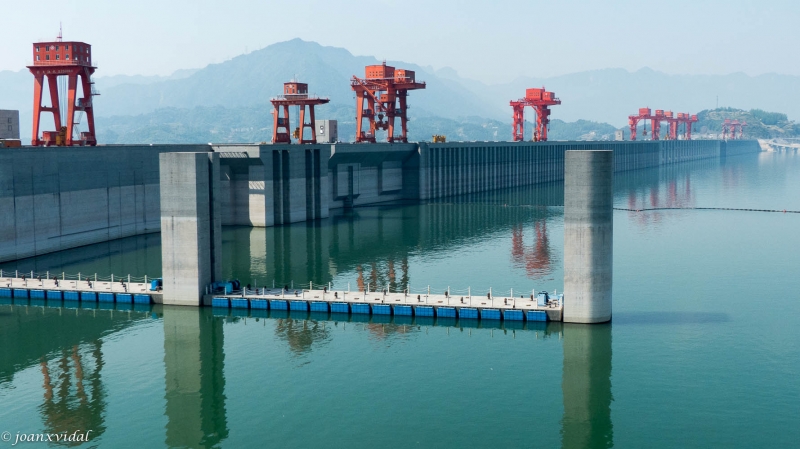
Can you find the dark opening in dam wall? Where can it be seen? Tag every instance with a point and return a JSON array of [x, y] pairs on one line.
[[58, 198]]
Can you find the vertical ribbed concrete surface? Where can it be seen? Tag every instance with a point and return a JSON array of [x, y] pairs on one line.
[[588, 236], [191, 226]]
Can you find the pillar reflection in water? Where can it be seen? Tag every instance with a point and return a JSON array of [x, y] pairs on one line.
[[195, 382], [586, 386]]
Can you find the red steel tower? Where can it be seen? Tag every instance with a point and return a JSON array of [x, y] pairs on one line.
[[687, 120], [294, 94], [540, 100], [385, 90], [655, 123], [52, 60]]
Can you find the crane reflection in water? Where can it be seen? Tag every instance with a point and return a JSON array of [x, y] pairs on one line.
[[74, 397]]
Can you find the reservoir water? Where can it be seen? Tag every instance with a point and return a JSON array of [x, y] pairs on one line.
[[703, 350]]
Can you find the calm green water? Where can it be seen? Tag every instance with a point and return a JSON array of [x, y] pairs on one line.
[[704, 349]]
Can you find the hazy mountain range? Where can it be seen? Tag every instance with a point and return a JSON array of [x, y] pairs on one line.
[[229, 101]]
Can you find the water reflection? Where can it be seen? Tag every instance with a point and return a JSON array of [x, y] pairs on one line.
[[537, 260], [586, 386], [74, 397], [67, 347], [301, 334], [194, 361]]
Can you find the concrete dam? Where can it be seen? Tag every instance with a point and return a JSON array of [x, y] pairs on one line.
[[58, 198]]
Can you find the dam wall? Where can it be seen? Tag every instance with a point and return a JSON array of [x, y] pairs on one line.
[[53, 198], [58, 198], [737, 147], [458, 168]]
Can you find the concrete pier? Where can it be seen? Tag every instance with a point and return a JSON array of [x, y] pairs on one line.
[[588, 235], [191, 225]]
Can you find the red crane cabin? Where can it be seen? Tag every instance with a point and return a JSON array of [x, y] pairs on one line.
[[73, 60]]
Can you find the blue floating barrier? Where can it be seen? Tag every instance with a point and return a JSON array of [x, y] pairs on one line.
[[403, 310], [360, 308], [258, 313], [105, 297], [446, 312], [319, 306], [71, 296], [141, 299], [240, 303], [5, 293], [470, 313], [513, 315], [381, 309], [298, 306], [423, 311], [37, 294], [220, 302], [278, 304], [125, 298], [536, 315], [54, 294], [490, 314], [340, 307], [89, 296], [20, 293], [260, 304]]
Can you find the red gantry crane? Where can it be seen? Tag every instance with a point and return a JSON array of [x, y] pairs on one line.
[[72, 60], [655, 123], [729, 128], [540, 100], [385, 91], [294, 94]]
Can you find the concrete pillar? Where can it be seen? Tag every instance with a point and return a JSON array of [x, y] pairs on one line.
[[191, 226], [588, 236]]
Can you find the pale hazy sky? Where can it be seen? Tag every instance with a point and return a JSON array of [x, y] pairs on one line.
[[491, 41]]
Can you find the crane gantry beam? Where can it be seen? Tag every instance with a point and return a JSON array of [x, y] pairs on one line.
[[540, 100]]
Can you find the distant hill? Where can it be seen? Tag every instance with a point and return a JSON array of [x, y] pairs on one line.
[[217, 124], [760, 124], [242, 86]]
